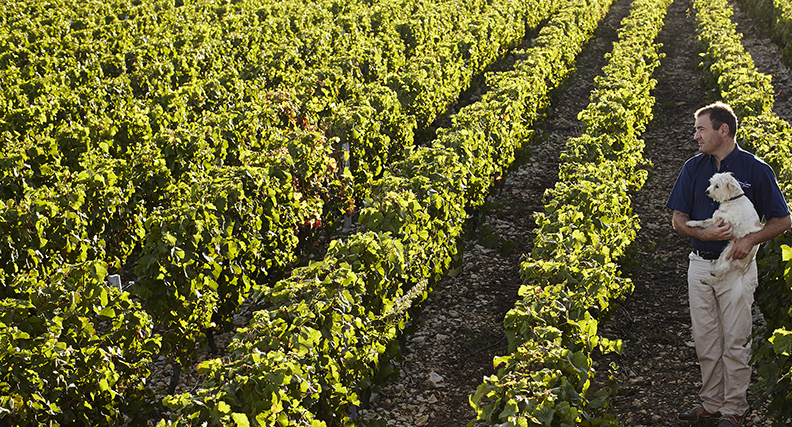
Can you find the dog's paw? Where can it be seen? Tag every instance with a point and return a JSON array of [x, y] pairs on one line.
[[721, 270], [692, 223], [714, 278]]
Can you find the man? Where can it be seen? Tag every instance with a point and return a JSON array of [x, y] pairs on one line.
[[721, 329]]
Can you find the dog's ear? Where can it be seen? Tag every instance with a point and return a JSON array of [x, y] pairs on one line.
[[733, 186]]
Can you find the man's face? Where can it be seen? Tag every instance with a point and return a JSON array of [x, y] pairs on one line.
[[709, 139]]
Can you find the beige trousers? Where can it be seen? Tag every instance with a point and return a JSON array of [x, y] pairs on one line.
[[721, 331]]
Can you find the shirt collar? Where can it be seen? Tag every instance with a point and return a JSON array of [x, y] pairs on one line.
[[727, 161]]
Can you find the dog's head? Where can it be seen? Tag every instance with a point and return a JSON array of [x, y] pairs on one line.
[[723, 187]]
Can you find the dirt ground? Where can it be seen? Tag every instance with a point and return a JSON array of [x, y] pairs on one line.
[[460, 330]]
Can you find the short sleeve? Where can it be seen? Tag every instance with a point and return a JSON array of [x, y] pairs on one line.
[[767, 196], [681, 197]]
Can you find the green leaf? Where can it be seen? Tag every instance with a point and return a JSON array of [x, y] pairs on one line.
[[782, 341], [544, 414], [240, 419], [509, 411], [208, 366], [233, 250], [786, 252], [103, 298], [107, 312], [608, 346], [99, 271], [580, 361]]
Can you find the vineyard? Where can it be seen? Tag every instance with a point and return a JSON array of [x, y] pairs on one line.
[[370, 212]]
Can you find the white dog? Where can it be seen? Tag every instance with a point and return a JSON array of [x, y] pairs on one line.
[[737, 210]]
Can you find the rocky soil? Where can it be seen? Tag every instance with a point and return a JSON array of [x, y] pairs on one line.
[[460, 330]]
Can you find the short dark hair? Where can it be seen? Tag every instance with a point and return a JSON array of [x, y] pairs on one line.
[[720, 113]]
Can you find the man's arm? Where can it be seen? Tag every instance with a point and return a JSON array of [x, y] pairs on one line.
[[773, 228], [715, 232]]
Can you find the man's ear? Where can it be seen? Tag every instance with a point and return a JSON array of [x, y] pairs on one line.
[[724, 129]]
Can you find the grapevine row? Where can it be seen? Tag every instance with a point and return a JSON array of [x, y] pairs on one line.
[[572, 276], [775, 17], [326, 332], [732, 76], [307, 176], [164, 88], [205, 232], [302, 185]]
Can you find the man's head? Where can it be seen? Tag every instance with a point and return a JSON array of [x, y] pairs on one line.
[[716, 126], [720, 114]]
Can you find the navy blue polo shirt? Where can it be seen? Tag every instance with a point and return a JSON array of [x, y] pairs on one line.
[[756, 177]]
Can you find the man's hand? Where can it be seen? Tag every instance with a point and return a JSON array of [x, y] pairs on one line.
[[721, 231], [717, 232], [773, 227], [742, 247]]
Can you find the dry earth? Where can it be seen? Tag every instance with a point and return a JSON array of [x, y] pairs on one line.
[[460, 330]]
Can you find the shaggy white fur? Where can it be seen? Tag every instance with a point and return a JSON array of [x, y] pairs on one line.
[[737, 210]]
